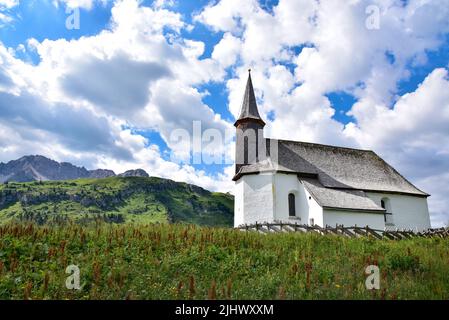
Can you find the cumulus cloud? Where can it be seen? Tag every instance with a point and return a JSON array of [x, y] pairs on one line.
[[227, 50], [5, 80], [5, 8], [89, 97], [416, 120], [75, 127], [119, 84], [84, 4], [8, 4], [413, 135]]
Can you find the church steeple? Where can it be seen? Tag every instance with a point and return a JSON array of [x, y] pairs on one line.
[[249, 109], [250, 146]]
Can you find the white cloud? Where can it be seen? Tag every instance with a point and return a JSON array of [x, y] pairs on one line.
[[227, 50], [84, 4], [91, 94], [417, 119], [413, 135], [5, 16], [225, 15], [8, 4], [164, 3]]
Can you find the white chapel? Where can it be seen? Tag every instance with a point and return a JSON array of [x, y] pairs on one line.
[[315, 184]]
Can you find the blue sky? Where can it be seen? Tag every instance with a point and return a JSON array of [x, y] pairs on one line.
[[43, 20], [136, 71]]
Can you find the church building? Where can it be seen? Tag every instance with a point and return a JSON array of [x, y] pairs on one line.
[[315, 184]]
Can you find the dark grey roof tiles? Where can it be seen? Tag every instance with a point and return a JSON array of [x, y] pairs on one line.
[[249, 107], [339, 198], [339, 167]]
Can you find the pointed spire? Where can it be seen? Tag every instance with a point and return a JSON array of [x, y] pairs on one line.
[[249, 106]]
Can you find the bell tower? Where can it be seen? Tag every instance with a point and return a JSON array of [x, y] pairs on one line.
[[249, 127]]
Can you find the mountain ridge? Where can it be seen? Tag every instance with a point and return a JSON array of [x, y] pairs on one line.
[[40, 168]]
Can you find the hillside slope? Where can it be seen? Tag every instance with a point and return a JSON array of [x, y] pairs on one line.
[[114, 199]]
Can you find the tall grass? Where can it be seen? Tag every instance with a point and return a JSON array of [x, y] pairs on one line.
[[164, 261]]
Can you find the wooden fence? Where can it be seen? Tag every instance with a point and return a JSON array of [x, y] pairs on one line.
[[352, 232]]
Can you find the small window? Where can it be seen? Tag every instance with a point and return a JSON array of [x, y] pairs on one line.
[[245, 150], [312, 221], [291, 205]]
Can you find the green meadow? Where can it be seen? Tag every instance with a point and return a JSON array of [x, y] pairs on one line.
[[180, 261]]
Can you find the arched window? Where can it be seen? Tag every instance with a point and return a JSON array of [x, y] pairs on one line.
[[245, 150], [291, 205]]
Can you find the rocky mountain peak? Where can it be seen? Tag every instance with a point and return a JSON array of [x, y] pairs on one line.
[[135, 173], [39, 168]]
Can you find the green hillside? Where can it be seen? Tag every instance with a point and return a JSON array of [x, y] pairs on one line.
[[172, 261], [116, 200]]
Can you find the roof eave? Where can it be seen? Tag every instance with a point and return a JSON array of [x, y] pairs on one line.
[[378, 211], [239, 174], [249, 119], [423, 194]]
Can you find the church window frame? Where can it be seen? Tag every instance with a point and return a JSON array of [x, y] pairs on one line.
[[245, 150], [292, 205]]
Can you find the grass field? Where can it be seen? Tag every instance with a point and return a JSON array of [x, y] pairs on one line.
[[164, 261]]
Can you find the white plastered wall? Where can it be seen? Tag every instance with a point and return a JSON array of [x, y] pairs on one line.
[[350, 219], [264, 198], [253, 199], [408, 211], [306, 206]]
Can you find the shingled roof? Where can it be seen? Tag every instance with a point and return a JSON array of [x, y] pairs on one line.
[[340, 199], [249, 107], [334, 167]]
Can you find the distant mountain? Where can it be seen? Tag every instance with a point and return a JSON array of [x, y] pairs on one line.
[[101, 173], [134, 173], [40, 168]]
